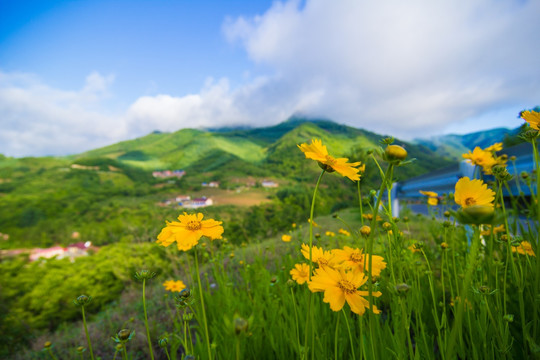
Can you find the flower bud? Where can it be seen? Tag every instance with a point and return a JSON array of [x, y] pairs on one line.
[[508, 318], [81, 349], [512, 158], [47, 345], [291, 283], [163, 342], [124, 335], [145, 275], [82, 300], [405, 219], [395, 153], [187, 317], [476, 214], [241, 325], [387, 226], [444, 246], [446, 214], [273, 279], [365, 230], [402, 288]]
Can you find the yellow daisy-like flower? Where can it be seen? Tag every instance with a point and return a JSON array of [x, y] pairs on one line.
[[357, 261], [414, 249], [532, 117], [481, 158], [189, 230], [340, 287], [433, 201], [300, 273], [429, 193], [473, 192], [313, 222], [174, 286], [524, 248], [496, 230], [319, 256], [330, 233], [317, 151], [344, 232], [286, 238], [495, 147]]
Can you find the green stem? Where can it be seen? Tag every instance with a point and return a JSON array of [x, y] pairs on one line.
[[360, 203], [297, 327], [51, 354], [349, 331], [237, 348], [124, 352], [167, 353], [336, 338], [87, 335], [537, 197], [457, 326], [208, 348], [146, 319]]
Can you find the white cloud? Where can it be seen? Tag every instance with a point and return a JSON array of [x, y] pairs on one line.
[[398, 67], [40, 120], [408, 69]]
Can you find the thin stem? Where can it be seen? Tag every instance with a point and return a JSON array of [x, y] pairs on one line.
[[124, 352], [349, 331], [51, 354], [360, 203], [87, 335], [208, 348], [296, 319], [336, 338], [146, 319]]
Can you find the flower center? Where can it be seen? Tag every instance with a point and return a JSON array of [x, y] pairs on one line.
[[356, 257], [322, 261], [347, 286], [330, 160], [470, 201], [194, 225]]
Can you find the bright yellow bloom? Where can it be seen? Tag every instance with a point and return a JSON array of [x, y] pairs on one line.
[[294, 225], [330, 233], [355, 260], [473, 192], [174, 286], [189, 230], [340, 287], [344, 232], [429, 193], [300, 273], [481, 158], [495, 230], [532, 117], [286, 238], [317, 151], [414, 249], [433, 201], [495, 147], [313, 222], [524, 248], [319, 256]]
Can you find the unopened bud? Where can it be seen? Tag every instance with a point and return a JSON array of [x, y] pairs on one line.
[[47, 344]]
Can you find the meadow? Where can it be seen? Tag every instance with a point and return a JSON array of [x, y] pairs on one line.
[[354, 284]]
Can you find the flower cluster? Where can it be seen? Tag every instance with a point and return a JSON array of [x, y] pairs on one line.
[[486, 158], [339, 274]]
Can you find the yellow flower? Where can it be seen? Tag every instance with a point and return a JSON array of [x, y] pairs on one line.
[[300, 273], [174, 286], [286, 238], [429, 193], [356, 261], [330, 233], [481, 158], [495, 147], [318, 255], [532, 117], [340, 287], [495, 230], [344, 232], [524, 248], [317, 151], [433, 201], [473, 192], [313, 222], [294, 225], [414, 249], [189, 230]]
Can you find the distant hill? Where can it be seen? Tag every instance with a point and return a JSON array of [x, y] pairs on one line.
[[452, 146]]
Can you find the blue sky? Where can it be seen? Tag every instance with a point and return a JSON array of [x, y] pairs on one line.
[[76, 75]]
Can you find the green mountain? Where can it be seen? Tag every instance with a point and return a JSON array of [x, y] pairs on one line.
[[453, 146]]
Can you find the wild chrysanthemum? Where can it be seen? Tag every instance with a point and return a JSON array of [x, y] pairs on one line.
[[524, 248], [495, 147], [532, 117], [318, 255], [189, 230], [357, 261], [429, 193], [340, 287], [330, 233], [300, 273], [174, 286], [473, 192], [433, 201], [286, 238], [317, 151], [344, 232], [481, 158]]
